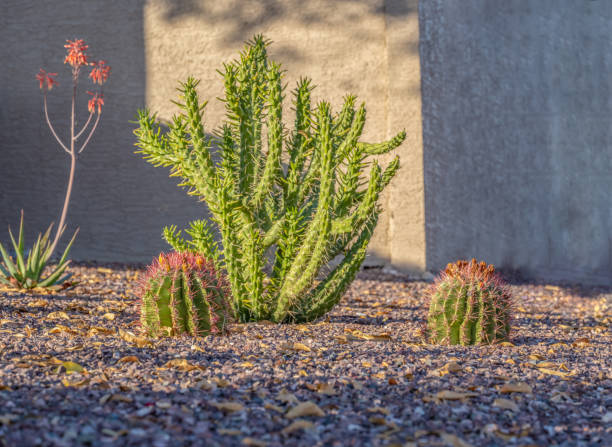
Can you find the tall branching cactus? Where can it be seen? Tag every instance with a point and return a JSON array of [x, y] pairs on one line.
[[282, 210]]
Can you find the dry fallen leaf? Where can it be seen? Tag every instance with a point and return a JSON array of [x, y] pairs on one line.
[[453, 395], [78, 384], [181, 365], [99, 330], [453, 440], [298, 424], [129, 359], [381, 410], [287, 397], [552, 372], [515, 388], [303, 409], [58, 316], [227, 407], [254, 442], [140, 342], [506, 404], [59, 329], [109, 316], [70, 367], [7, 418]]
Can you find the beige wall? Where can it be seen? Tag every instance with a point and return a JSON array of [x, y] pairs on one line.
[[367, 48]]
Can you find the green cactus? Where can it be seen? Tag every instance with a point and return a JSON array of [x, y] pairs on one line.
[[182, 293], [469, 305], [282, 210]]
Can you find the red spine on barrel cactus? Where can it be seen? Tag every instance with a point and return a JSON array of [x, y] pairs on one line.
[[469, 304], [182, 293]]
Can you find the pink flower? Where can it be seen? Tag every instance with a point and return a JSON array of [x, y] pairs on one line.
[[76, 53], [46, 78], [97, 100], [99, 72]]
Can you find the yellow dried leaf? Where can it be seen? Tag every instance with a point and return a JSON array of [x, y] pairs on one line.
[[506, 404], [70, 367], [58, 316], [59, 329], [581, 342], [287, 397], [104, 270], [7, 418], [377, 420], [381, 410], [229, 432], [515, 388], [506, 343], [129, 359], [121, 398], [246, 364], [78, 384], [140, 342], [227, 407], [301, 347], [552, 372], [254, 442], [298, 424], [304, 409], [181, 365], [38, 303], [109, 316], [327, 389], [100, 330], [453, 395], [453, 440]]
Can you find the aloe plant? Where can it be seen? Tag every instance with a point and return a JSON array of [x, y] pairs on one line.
[[282, 211], [26, 270]]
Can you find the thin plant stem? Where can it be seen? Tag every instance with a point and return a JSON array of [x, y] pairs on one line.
[[90, 133], [50, 125], [84, 127], [60, 227]]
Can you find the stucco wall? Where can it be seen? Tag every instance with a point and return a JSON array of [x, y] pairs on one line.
[[517, 112], [368, 48]]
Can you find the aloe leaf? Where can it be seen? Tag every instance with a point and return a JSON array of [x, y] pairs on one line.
[[65, 255], [53, 277], [18, 247], [12, 268]]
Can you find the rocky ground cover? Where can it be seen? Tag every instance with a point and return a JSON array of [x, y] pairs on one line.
[[75, 371]]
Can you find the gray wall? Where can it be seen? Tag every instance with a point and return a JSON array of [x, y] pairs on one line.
[[119, 202], [517, 134]]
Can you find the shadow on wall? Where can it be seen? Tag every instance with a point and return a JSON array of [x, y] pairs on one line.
[[244, 18]]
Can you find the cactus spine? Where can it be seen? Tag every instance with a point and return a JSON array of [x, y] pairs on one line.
[[282, 213], [183, 294], [469, 305]]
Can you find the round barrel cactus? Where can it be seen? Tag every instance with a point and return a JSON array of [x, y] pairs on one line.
[[470, 304], [182, 293]]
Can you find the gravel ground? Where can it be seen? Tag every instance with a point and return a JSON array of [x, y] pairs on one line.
[[74, 371]]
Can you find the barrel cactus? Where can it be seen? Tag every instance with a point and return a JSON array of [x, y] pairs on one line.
[[470, 304], [182, 293]]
